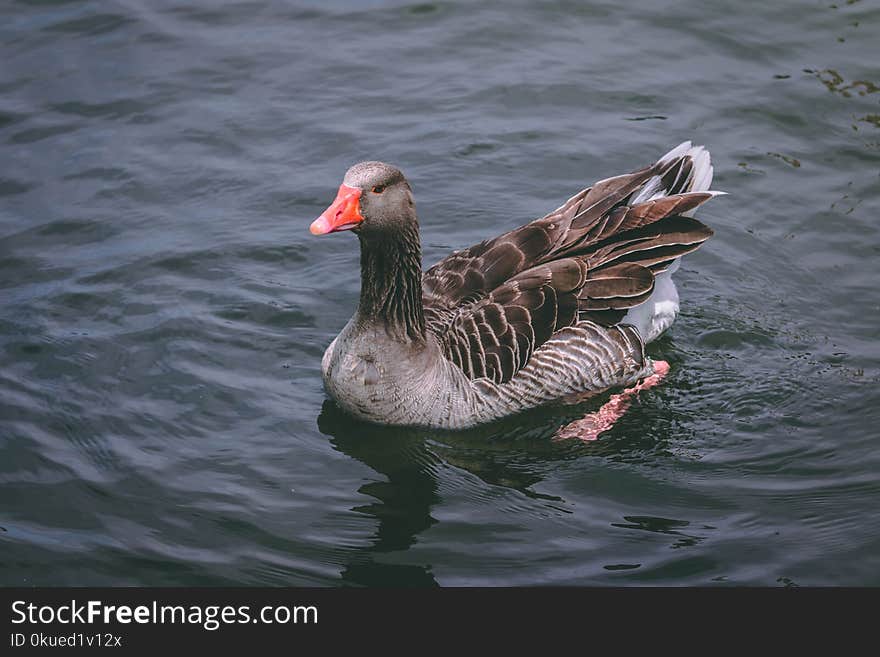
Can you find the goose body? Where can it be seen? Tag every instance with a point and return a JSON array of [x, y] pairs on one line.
[[551, 312]]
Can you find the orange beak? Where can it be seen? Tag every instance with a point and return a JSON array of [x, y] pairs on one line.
[[343, 214]]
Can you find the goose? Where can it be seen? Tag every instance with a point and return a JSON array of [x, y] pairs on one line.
[[552, 312]]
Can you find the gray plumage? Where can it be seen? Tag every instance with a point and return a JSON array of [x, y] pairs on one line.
[[552, 311]]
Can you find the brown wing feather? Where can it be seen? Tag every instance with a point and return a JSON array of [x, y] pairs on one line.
[[478, 270], [494, 304], [495, 336]]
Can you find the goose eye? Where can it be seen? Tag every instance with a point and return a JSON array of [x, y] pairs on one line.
[[378, 189]]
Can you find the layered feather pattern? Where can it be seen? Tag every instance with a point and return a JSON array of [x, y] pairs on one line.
[[496, 304]]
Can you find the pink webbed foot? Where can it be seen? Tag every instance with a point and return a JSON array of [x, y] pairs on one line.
[[592, 425]]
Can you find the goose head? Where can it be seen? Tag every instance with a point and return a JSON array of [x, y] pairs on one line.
[[373, 199]]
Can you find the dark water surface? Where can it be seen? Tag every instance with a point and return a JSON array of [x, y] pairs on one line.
[[163, 308]]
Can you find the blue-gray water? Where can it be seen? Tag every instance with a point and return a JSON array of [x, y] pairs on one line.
[[163, 308]]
